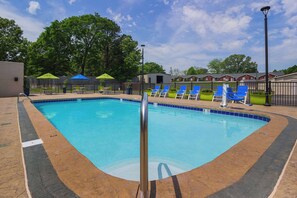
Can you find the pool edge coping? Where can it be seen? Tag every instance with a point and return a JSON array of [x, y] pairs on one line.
[[180, 176]]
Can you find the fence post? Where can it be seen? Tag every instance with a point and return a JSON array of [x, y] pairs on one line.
[[211, 85]]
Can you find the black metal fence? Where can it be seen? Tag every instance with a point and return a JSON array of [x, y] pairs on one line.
[[282, 93]]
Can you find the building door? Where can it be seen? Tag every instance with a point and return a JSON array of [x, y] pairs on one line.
[[159, 79]]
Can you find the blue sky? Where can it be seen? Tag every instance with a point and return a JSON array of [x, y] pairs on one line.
[[179, 33]]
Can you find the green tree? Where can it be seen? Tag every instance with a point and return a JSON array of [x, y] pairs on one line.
[[127, 57], [191, 71], [239, 63], [87, 44], [216, 66], [290, 70], [196, 70], [152, 67], [201, 70], [13, 45]]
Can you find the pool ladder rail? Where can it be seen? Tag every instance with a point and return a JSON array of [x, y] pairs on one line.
[[144, 193], [23, 94]]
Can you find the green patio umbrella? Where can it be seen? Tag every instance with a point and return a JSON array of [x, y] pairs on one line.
[[47, 76], [103, 77]]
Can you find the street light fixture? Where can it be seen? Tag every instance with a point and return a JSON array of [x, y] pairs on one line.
[[142, 70], [265, 12]]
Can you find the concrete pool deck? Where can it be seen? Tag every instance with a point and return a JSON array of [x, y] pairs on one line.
[[80, 175]]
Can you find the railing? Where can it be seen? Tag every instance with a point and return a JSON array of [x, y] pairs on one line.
[[282, 93], [144, 147], [23, 94]]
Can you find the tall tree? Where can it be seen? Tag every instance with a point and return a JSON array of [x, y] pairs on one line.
[[239, 63], [87, 44], [192, 71], [13, 45], [201, 70], [216, 66], [152, 67], [128, 58], [196, 70], [290, 70]]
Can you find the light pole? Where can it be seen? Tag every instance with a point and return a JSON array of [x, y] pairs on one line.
[[142, 70], [265, 12]]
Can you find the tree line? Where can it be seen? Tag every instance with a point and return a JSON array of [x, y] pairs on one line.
[[92, 45], [87, 44]]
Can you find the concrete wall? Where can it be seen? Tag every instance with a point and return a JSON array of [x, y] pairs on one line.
[[166, 78], [11, 78]]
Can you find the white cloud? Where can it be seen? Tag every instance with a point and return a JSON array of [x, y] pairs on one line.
[[56, 10], [290, 7], [204, 23], [33, 7], [166, 2], [121, 19], [177, 55], [31, 27], [71, 1], [233, 45]]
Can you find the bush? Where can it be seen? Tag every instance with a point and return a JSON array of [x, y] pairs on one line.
[[100, 87], [172, 89], [206, 91], [259, 93]]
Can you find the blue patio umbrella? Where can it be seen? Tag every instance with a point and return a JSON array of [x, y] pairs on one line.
[[79, 77]]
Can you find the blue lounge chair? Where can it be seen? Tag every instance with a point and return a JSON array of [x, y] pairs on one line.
[[164, 92], [242, 91], [218, 94], [155, 91], [194, 93], [181, 92], [232, 96]]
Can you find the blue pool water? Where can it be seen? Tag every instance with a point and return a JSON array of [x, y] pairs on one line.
[[106, 131]]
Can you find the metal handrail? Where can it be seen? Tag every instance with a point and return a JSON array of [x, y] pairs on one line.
[[23, 94], [144, 147]]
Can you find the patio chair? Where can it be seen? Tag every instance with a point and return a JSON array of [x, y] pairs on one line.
[[233, 97], [164, 92], [48, 91], [242, 91], [218, 94], [78, 90], [194, 93], [155, 91], [181, 92]]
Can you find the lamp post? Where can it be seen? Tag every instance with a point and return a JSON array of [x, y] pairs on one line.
[[265, 12], [142, 70]]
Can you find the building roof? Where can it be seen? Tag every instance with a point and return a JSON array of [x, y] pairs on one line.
[[236, 75]]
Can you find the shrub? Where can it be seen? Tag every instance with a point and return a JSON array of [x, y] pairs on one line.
[[172, 89], [206, 91], [259, 93]]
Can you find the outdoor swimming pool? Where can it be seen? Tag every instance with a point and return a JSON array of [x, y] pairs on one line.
[[106, 131]]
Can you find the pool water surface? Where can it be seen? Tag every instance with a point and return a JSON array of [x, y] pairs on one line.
[[107, 132]]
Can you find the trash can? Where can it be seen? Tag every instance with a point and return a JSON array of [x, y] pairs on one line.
[[129, 90]]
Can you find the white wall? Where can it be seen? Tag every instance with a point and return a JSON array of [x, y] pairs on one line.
[[166, 78], [11, 78]]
